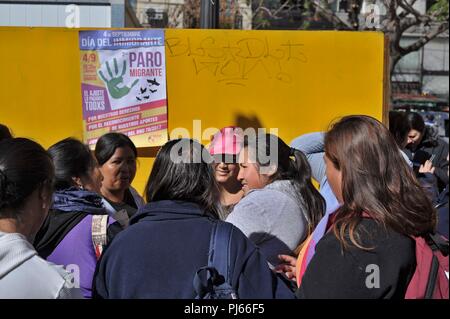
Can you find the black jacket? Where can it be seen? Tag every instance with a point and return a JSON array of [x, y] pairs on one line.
[[442, 208], [431, 145], [440, 201], [355, 273], [166, 243]]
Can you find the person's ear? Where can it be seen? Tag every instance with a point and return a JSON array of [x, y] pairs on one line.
[[46, 196], [269, 171]]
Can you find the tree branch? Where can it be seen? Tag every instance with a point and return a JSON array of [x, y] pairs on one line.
[[280, 8], [425, 39], [405, 13], [322, 10], [407, 23], [266, 10], [330, 16], [391, 6], [407, 7], [260, 5], [272, 14]]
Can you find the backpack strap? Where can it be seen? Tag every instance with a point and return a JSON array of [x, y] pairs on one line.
[[120, 216], [99, 230], [438, 242], [138, 200], [219, 249], [431, 284], [218, 270], [109, 208]]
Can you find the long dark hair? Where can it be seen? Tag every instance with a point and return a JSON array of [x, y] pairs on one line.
[[71, 159], [399, 127], [291, 165], [415, 121], [375, 180], [182, 171], [24, 167], [4, 132], [108, 143]]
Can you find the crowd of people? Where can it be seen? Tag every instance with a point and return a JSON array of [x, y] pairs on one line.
[[72, 226]]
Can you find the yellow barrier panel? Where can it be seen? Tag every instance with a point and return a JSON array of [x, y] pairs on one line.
[[295, 81]]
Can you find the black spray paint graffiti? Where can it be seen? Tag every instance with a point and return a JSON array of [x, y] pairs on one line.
[[233, 63]]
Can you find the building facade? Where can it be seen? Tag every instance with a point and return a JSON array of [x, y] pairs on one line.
[[234, 14], [70, 14]]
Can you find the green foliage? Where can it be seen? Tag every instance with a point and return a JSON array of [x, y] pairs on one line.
[[440, 10]]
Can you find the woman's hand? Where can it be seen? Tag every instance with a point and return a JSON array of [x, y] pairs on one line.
[[287, 266], [427, 167]]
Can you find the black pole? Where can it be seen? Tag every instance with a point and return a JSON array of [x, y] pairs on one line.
[[209, 14]]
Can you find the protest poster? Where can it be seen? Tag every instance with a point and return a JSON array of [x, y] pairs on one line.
[[123, 85]]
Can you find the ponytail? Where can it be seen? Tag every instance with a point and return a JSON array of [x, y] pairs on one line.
[[24, 167], [314, 202], [293, 166]]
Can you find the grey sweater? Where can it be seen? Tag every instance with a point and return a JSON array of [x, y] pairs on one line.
[[25, 275], [272, 219]]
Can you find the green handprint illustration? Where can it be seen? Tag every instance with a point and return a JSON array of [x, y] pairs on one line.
[[113, 83]]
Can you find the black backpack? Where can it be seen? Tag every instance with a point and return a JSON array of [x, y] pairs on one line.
[[214, 280]]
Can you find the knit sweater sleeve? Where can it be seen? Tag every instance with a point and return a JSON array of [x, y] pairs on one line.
[[248, 216], [312, 145]]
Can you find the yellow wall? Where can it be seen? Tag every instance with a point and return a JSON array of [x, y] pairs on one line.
[[326, 75], [220, 77]]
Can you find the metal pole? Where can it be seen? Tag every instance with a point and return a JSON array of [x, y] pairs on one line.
[[209, 14], [422, 56]]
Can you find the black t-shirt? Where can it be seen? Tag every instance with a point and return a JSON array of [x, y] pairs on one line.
[[119, 206], [128, 204]]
